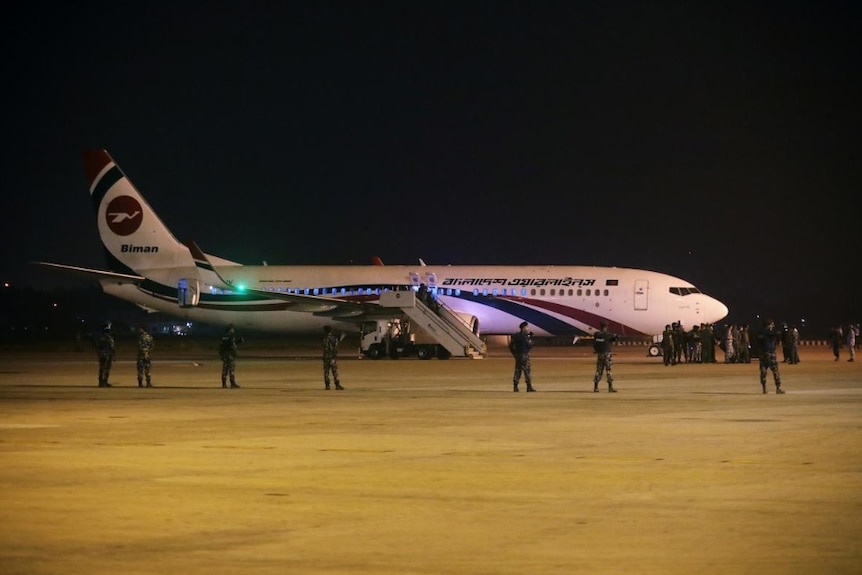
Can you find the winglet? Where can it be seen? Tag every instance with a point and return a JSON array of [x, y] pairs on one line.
[[377, 261]]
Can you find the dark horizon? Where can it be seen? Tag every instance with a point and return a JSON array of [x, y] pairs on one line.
[[711, 142]]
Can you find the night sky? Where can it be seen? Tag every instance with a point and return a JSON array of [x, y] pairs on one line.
[[718, 142]]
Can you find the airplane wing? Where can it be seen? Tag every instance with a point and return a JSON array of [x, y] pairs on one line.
[[333, 307], [100, 274]]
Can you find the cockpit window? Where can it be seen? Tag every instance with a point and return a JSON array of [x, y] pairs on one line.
[[684, 290]]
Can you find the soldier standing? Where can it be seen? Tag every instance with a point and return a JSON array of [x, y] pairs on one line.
[[227, 352], [767, 341], [330, 354], [794, 344], [520, 346], [836, 335], [667, 346], [729, 351], [708, 337], [145, 345], [604, 362], [678, 342], [106, 348], [743, 347]]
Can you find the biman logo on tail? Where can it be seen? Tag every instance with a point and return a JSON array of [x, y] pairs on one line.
[[124, 215]]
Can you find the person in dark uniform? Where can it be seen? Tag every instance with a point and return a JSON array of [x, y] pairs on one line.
[[330, 355], [604, 362], [145, 345], [743, 352], [678, 341], [836, 338], [767, 342], [227, 352], [667, 346], [520, 345], [106, 348]]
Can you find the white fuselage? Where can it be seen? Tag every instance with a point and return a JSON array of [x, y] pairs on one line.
[[554, 300]]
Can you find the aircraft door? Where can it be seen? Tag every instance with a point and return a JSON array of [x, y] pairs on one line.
[[641, 294], [431, 280], [188, 292], [415, 279]]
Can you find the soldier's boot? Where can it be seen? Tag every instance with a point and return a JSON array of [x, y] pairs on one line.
[[149, 382], [223, 382], [233, 383], [611, 388], [595, 387], [140, 383], [515, 387], [530, 387], [338, 386], [778, 389], [763, 385], [326, 384]]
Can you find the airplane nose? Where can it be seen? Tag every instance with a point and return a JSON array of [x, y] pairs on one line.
[[719, 309]]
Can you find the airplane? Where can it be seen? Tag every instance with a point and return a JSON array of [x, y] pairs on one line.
[[149, 267]]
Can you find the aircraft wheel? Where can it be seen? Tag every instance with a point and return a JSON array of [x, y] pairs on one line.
[[654, 351]]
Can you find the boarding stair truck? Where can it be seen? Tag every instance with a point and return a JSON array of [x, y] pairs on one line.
[[393, 338], [425, 330]]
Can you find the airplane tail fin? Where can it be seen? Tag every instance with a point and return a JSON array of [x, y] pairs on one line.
[[135, 239]]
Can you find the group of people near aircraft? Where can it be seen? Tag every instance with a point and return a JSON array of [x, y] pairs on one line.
[[678, 346]]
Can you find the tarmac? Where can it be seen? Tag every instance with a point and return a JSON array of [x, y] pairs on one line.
[[429, 467]]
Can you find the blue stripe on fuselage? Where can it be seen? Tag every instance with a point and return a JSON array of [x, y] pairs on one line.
[[532, 316]]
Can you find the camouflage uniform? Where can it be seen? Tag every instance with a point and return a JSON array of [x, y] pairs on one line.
[[227, 352], [520, 346], [729, 352], [604, 361], [766, 343], [106, 348], [330, 355], [695, 345], [145, 344]]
